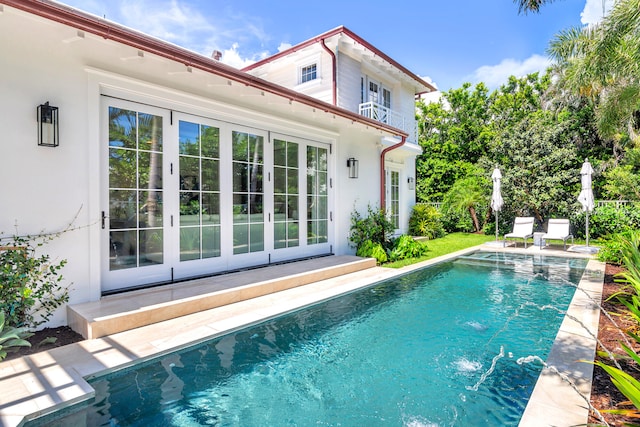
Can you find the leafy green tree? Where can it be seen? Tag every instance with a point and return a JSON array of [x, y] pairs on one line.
[[454, 134], [539, 167]]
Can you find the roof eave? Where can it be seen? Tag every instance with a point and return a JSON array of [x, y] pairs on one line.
[[92, 24]]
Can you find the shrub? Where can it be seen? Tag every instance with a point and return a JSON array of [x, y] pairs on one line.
[[426, 221], [374, 227], [406, 247], [368, 249], [608, 220], [31, 286], [611, 249]]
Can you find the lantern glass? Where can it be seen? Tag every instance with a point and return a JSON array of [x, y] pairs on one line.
[[48, 126], [412, 183], [352, 164]]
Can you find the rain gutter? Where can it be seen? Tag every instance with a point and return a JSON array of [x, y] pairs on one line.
[[333, 71], [383, 176]]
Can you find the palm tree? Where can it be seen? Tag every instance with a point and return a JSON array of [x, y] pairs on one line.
[[466, 194], [602, 62], [525, 6]]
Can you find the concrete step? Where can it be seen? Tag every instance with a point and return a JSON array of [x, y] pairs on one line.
[[130, 310]]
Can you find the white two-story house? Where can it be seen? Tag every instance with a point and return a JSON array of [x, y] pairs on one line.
[[160, 164], [341, 68]]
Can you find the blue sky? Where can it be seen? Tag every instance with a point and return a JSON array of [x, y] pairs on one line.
[[447, 42]]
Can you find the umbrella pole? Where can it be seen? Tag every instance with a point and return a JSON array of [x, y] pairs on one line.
[[496, 226], [587, 224]]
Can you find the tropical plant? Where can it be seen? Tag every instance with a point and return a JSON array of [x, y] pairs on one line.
[[368, 249], [630, 249], [406, 247], [31, 285], [426, 220], [11, 338], [467, 195], [375, 227], [624, 382]]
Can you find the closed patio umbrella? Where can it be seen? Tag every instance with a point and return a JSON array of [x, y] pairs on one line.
[[586, 194], [496, 197]]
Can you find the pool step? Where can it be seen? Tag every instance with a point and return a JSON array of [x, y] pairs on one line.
[[130, 310]]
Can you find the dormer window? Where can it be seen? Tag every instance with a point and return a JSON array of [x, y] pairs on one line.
[[308, 73]]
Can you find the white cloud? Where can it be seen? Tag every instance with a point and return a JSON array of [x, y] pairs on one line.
[[284, 46], [495, 75], [233, 58], [593, 11], [429, 80], [178, 22]]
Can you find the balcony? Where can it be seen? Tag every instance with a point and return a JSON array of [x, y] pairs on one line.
[[386, 115]]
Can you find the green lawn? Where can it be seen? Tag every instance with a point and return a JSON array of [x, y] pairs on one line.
[[450, 243]]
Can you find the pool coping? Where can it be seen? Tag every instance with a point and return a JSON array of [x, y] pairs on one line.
[[39, 384]]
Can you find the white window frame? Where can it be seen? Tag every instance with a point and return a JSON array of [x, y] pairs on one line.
[[303, 73], [304, 62]]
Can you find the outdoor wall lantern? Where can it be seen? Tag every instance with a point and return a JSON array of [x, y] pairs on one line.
[[48, 125], [352, 164], [412, 183]]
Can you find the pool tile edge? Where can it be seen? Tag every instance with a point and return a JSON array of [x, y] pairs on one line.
[[554, 401]]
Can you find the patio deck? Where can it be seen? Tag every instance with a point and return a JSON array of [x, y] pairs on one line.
[[129, 310]]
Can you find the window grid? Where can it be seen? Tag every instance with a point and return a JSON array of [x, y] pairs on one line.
[[308, 73], [286, 195], [317, 196], [135, 189], [199, 161], [248, 193]]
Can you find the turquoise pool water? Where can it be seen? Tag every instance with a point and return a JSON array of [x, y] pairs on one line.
[[437, 347]]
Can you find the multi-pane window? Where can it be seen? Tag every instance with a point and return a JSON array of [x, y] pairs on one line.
[[135, 189], [308, 73], [394, 199], [386, 98], [286, 197], [248, 193], [317, 196], [199, 151]]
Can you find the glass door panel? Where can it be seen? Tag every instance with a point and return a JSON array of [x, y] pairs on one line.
[[248, 192], [136, 236], [199, 166], [317, 196], [286, 190]]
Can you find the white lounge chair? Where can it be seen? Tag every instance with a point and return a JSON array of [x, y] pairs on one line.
[[558, 229], [522, 229]]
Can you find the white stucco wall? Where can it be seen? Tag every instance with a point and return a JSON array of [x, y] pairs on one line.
[[49, 189]]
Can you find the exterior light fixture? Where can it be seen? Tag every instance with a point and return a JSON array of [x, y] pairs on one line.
[[48, 125], [352, 164], [412, 183]]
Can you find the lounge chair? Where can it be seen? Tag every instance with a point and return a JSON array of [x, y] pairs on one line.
[[558, 229], [522, 229]]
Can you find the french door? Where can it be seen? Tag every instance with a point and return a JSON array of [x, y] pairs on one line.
[[188, 196]]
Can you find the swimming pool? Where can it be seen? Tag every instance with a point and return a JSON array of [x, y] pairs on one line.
[[436, 347]]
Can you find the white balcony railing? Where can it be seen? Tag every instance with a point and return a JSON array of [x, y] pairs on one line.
[[386, 115]]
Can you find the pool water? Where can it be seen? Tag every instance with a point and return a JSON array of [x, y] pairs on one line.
[[437, 347]]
